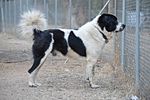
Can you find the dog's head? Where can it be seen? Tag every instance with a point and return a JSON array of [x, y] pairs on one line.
[[110, 23]]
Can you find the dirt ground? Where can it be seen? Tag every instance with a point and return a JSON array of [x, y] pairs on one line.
[[59, 81]]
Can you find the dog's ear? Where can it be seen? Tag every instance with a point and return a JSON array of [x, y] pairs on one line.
[[101, 22]]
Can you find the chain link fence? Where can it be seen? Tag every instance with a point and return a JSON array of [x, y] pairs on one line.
[[145, 48], [60, 13], [134, 47]]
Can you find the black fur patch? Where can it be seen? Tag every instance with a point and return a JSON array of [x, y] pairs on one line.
[[60, 44], [76, 44], [42, 40], [108, 21]]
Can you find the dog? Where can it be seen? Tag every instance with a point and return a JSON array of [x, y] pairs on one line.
[[87, 41]]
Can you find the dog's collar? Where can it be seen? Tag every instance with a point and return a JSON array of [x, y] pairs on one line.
[[104, 36]]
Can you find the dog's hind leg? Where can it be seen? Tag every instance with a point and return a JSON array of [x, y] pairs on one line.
[[90, 72], [34, 70], [38, 61]]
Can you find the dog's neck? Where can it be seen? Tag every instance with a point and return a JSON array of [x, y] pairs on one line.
[[104, 36]]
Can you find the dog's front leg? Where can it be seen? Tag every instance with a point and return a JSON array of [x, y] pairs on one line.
[[90, 72]]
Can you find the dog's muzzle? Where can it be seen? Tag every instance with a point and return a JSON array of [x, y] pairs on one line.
[[121, 28]]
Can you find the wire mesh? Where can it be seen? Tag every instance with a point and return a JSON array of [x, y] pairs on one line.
[[130, 37], [145, 48], [130, 45]]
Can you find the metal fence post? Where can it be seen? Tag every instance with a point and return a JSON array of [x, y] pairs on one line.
[[137, 45], [35, 4], [2, 14], [123, 35], [9, 16], [115, 7], [56, 10], [70, 13], [14, 16], [20, 6], [89, 10], [46, 8], [5, 14]]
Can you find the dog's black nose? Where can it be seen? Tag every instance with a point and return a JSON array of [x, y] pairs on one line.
[[123, 26]]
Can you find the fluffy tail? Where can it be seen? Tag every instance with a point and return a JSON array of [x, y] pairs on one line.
[[32, 20]]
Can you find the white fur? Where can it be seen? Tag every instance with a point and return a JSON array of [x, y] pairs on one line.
[[31, 20]]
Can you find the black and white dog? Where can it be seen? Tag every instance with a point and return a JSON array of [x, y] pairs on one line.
[[87, 41]]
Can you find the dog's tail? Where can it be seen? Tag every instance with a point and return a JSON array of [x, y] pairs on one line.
[[31, 20]]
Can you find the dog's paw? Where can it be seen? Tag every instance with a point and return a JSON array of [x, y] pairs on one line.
[[34, 84], [38, 84], [93, 86]]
